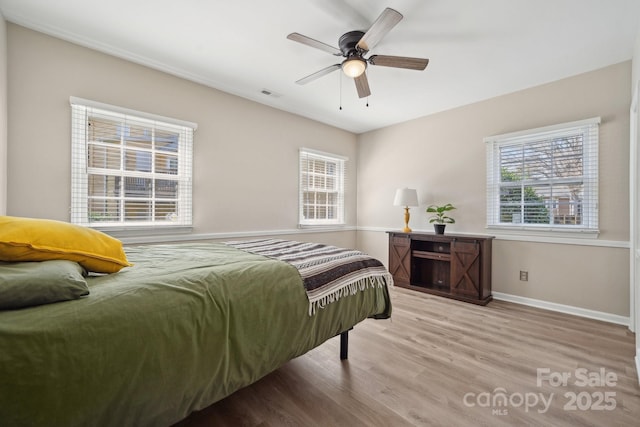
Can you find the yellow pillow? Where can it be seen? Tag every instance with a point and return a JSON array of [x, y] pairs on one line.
[[28, 239]]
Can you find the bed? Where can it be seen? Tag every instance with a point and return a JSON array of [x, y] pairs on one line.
[[185, 326]]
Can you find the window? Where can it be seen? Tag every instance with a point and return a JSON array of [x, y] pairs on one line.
[[544, 179], [321, 188], [129, 169]]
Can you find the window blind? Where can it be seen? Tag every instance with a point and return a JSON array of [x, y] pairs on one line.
[[129, 170], [544, 179], [322, 180]]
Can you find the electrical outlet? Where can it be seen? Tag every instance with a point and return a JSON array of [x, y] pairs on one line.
[[524, 275]]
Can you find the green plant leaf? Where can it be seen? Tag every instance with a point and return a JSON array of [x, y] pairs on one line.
[[439, 211]]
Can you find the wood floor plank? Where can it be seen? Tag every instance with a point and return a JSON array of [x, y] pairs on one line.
[[440, 362]]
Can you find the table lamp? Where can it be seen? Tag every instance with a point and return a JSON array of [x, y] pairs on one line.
[[406, 197]]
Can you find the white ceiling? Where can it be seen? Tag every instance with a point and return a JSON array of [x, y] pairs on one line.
[[478, 49]]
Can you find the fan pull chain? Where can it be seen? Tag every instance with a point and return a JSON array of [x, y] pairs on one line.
[[367, 102], [340, 84]]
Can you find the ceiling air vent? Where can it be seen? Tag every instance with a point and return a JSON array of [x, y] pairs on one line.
[[270, 93]]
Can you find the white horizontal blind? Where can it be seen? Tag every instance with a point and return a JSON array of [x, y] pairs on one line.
[[322, 180], [544, 179], [129, 171]]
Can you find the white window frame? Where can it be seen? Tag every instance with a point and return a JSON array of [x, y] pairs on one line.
[[82, 109], [589, 129], [340, 167]]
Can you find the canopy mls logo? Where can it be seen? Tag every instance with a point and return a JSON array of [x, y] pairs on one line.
[[500, 401], [597, 398]]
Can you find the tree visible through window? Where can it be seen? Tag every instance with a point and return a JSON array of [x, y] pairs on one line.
[[545, 178], [517, 202]]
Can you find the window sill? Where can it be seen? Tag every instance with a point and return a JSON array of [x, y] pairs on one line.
[[544, 232], [581, 238], [323, 227]]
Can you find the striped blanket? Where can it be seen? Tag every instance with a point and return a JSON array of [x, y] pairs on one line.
[[328, 272]]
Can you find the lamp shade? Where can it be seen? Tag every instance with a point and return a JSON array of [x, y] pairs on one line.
[[406, 197]]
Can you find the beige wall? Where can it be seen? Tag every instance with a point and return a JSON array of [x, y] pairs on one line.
[[635, 81], [246, 160], [3, 116], [245, 154], [443, 156], [635, 75]]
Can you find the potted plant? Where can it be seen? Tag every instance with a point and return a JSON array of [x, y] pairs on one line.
[[439, 217]]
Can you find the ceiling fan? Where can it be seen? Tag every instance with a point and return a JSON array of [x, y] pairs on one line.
[[354, 45]]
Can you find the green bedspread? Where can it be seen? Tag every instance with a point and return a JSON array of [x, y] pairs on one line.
[[186, 326]]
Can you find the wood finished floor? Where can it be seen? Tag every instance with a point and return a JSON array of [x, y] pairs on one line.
[[417, 368]]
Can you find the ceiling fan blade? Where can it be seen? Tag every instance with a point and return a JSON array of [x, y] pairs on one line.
[[399, 62], [385, 22], [297, 37], [362, 85], [318, 74]]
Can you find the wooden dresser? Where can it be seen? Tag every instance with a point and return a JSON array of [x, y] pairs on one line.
[[450, 265]]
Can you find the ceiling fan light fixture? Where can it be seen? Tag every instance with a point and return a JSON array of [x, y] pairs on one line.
[[354, 67]]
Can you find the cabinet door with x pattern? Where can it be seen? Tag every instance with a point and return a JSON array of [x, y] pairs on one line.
[[400, 258], [465, 268]]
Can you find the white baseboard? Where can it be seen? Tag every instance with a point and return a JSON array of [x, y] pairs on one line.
[[638, 363], [568, 309]]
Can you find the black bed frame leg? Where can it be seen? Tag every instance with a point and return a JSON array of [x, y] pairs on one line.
[[344, 344]]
